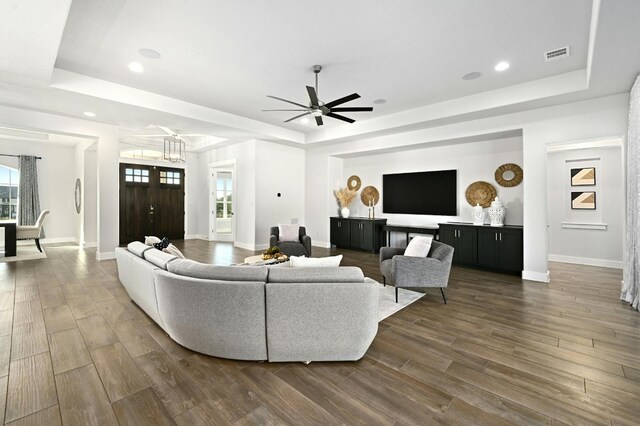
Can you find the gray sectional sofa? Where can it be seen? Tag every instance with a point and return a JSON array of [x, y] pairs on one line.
[[254, 312]]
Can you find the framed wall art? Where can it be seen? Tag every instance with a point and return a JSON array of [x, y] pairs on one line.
[[585, 176], [583, 200]]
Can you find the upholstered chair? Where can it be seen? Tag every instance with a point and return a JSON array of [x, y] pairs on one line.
[[302, 247], [32, 232], [417, 272]]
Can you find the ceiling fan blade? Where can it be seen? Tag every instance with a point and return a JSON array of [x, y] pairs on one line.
[[285, 110], [313, 96], [343, 100], [319, 121], [352, 109], [297, 116], [290, 102], [340, 117]]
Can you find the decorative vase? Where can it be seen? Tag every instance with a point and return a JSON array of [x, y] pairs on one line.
[[497, 213], [344, 212], [478, 215]]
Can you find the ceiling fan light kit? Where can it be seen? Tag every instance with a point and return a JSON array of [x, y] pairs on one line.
[[317, 109]]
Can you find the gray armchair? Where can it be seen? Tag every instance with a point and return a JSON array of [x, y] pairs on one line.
[[302, 247], [415, 272]]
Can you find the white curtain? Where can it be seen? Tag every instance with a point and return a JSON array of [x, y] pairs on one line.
[[631, 278]]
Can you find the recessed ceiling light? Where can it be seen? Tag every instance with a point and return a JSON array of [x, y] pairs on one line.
[[136, 67], [304, 120], [89, 114], [380, 101], [471, 76], [149, 53], [501, 66]]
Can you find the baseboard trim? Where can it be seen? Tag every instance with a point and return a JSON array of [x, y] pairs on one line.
[[107, 255], [617, 264], [245, 246], [322, 244], [536, 276], [195, 237], [90, 245], [48, 241]]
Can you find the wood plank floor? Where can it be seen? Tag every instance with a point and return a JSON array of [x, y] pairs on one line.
[[75, 350]]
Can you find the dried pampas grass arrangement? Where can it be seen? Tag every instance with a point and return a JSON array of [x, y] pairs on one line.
[[345, 196]]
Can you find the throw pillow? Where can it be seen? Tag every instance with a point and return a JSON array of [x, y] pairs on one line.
[[419, 247], [171, 249], [315, 262], [151, 240], [289, 232], [163, 244]]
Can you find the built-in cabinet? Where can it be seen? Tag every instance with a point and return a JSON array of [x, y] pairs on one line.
[[358, 233], [497, 248]]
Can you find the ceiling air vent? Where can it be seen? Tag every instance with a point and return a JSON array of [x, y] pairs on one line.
[[552, 55]]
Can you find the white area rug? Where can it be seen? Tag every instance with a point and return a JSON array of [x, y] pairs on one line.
[[387, 300], [24, 252]]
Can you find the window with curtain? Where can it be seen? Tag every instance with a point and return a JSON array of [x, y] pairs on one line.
[[9, 180]]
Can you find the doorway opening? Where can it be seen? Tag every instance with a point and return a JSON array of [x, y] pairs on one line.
[[222, 224]]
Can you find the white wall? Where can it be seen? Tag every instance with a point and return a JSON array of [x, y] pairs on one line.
[[107, 168], [244, 194], [602, 247], [279, 169], [56, 184], [473, 161], [601, 117], [262, 170], [90, 198]]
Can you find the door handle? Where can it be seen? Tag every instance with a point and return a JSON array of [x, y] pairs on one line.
[[501, 236], [496, 236]]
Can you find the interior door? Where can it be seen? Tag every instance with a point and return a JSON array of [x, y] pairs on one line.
[[136, 215], [222, 206], [151, 202]]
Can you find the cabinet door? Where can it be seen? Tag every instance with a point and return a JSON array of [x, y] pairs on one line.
[[448, 236], [340, 232], [488, 248], [510, 250], [367, 228], [356, 234], [467, 245]]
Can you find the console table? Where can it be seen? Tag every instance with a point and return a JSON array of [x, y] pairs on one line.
[[9, 237], [358, 233], [433, 230]]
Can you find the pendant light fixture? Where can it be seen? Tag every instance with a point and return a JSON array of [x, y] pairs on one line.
[[174, 149]]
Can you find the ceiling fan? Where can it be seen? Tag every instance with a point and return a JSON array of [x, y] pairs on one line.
[[317, 108]]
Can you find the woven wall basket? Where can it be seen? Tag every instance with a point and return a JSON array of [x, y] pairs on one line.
[[482, 193], [369, 193], [509, 167]]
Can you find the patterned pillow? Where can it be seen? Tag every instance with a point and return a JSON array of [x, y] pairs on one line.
[[163, 244]]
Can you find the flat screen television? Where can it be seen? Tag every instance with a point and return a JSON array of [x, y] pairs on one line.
[[433, 193]]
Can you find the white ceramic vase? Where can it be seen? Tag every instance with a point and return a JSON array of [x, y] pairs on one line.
[[478, 215], [344, 212], [497, 213]]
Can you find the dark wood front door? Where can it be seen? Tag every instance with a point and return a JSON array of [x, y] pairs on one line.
[[151, 202]]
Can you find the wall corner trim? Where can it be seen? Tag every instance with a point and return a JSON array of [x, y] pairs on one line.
[[108, 255], [542, 277]]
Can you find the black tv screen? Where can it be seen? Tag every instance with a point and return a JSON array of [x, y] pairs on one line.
[[432, 193]]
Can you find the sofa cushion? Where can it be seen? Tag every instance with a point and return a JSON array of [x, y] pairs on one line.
[[288, 232], [419, 247], [343, 274], [193, 269], [171, 249], [315, 262], [138, 248], [159, 258]]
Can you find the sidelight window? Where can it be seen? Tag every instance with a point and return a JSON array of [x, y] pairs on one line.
[[8, 193]]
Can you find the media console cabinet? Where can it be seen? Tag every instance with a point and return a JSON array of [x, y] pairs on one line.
[[358, 233], [496, 248]]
